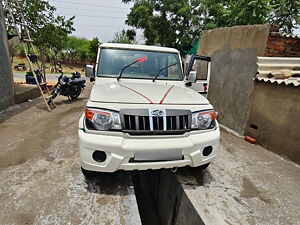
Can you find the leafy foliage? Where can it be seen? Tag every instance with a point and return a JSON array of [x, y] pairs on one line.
[[37, 14], [51, 34], [125, 37], [166, 22], [223, 13], [93, 49], [231, 13], [79, 50], [286, 13], [179, 23]]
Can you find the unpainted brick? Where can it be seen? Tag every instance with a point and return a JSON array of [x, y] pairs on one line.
[[278, 43]]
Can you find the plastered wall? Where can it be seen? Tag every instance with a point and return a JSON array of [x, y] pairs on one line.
[[234, 54], [274, 118], [6, 78]]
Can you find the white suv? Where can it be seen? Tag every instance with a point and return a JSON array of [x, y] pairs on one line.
[[142, 113]]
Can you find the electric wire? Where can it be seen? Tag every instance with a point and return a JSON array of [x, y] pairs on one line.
[[93, 5]]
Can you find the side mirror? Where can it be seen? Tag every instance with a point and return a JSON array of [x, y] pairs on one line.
[[192, 77], [89, 71]]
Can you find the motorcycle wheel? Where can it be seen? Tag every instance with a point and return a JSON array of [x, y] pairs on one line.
[[54, 93], [75, 93]]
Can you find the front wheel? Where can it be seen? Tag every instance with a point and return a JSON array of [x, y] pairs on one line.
[[75, 93], [53, 95]]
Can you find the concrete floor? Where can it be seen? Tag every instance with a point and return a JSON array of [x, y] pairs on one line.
[[40, 177], [246, 184], [41, 182]]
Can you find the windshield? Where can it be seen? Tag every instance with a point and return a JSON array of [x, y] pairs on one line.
[[113, 60]]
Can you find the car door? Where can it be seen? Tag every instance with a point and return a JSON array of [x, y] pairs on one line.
[[202, 66]]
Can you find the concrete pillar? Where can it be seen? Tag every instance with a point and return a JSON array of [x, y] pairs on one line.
[[6, 76]]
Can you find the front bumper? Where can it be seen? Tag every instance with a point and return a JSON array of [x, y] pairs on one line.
[[121, 149]]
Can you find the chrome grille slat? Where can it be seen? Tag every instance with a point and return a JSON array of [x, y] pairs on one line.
[[151, 122], [129, 122], [141, 122], [137, 124], [177, 122], [144, 122]]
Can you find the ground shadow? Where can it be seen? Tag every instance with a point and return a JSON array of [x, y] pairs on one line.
[[69, 101], [116, 183], [19, 108], [60, 102], [120, 183]]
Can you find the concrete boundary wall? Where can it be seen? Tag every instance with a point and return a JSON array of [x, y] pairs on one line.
[[238, 37], [6, 78], [274, 118], [234, 54]]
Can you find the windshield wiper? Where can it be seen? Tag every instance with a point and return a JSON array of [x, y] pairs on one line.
[[159, 71], [139, 60]]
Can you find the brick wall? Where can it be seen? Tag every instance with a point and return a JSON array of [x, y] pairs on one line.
[[279, 45]]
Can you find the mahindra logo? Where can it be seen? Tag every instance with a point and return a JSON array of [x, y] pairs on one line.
[[157, 113]]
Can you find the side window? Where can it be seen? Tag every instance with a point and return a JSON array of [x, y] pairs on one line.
[[201, 68], [173, 71]]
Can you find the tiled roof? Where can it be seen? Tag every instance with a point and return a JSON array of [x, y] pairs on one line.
[[292, 80]]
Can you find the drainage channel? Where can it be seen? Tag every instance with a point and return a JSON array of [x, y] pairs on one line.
[[161, 199], [152, 197]]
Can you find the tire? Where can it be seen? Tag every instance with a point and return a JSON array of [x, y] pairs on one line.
[[53, 95], [203, 167], [89, 174], [75, 93]]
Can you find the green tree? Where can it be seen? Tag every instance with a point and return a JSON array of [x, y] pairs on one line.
[[13, 46], [51, 38], [37, 13], [285, 13], [80, 50], [48, 32], [178, 23], [230, 13], [125, 37], [223, 13], [93, 49], [166, 22]]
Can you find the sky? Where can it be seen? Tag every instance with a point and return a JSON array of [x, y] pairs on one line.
[[95, 18], [98, 18]]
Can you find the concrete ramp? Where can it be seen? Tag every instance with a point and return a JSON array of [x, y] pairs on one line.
[[23, 92]]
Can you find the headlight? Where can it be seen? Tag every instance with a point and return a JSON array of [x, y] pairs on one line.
[[102, 119], [204, 120]]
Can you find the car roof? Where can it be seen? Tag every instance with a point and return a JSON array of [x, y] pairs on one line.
[[139, 47]]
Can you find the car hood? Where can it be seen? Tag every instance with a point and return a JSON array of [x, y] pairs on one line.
[[139, 93]]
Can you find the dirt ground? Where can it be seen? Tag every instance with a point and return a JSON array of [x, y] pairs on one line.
[[66, 68], [40, 177]]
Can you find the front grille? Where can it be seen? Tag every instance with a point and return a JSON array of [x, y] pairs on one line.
[[142, 122]]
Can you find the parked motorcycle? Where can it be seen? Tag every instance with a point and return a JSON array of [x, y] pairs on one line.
[[68, 86]]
